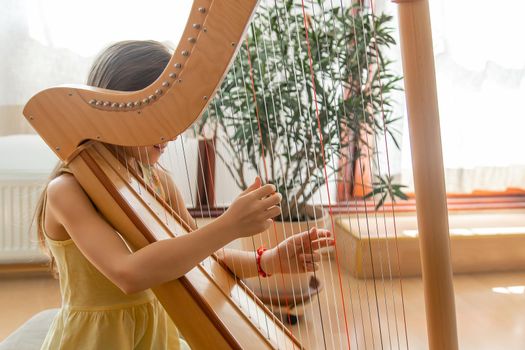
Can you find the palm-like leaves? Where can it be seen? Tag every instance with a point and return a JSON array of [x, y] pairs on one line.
[[267, 100]]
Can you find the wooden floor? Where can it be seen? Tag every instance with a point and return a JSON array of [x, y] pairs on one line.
[[490, 311], [23, 295]]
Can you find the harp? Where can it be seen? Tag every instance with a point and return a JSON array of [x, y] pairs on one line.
[[75, 121]]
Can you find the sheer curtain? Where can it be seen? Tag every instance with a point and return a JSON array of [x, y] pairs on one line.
[[480, 71], [50, 42], [46, 43]]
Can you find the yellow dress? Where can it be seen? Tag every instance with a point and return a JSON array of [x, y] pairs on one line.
[[95, 314]]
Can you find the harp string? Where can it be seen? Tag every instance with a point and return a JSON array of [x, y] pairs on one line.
[[201, 207], [358, 221], [205, 185], [367, 142], [310, 170], [378, 161], [281, 167], [360, 162], [400, 277], [287, 146], [248, 156], [346, 191], [312, 74], [299, 173], [155, 177], [377, 65], [332, 136], [337, 124], [341, 137], [315, 157], [266, 324], [263, 156]]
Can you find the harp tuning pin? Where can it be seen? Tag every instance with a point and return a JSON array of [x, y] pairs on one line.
[[145, 100], [173, 75], [158, 92], [185, 53], [137, 103], [202, 10], [151, 97], [192, 40], [122, 105], [196, 26], [92, 102], [99, 103], [177, 65], [114, 105], [107, 103], [165, 84], [129, 104]]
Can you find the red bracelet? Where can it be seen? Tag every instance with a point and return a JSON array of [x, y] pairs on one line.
[[260, 252]]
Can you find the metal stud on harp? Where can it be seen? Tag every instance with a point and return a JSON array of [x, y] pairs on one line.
[[225, 313]]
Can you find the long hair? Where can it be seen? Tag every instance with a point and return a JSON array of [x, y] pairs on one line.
[[124, 66]]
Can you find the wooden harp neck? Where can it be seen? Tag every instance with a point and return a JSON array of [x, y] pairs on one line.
[[66, 116]]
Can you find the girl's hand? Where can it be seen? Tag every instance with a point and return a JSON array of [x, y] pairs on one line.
[[297, 253], [252, 211]]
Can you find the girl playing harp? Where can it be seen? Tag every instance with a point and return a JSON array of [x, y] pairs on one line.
[[105, 287]]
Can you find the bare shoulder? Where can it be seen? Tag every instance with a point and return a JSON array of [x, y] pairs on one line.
[[64, 194], [62, 186]]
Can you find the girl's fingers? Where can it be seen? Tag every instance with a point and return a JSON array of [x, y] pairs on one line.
[[311, 245], [255, 185], [263, 192], [272, 212], [316, 233], [308, 258], [271, 200], [324, 242]]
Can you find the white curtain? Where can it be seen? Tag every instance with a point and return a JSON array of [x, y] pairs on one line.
[[50, 42], [45, 43], [478, 47], [480, 71]]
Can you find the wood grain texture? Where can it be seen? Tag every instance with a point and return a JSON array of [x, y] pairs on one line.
[[429, 178], [66, 116], [207, 295]]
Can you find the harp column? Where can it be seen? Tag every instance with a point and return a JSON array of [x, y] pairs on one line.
[[429, 179]]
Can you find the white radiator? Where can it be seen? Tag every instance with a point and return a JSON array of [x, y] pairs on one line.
[[18, 237], [25, 164]]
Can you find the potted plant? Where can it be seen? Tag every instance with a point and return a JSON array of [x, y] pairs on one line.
[[267, 106]]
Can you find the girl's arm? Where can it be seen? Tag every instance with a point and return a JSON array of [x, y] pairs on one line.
[[161, 261], [293, 258], [295, 254]]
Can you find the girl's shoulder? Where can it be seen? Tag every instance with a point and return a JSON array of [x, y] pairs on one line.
[[64, 193], [62, 185], [60, 192]]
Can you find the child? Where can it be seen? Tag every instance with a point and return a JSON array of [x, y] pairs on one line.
[[106, 299]]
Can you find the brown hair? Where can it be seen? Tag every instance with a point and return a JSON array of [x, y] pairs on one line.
[[125, 66]]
